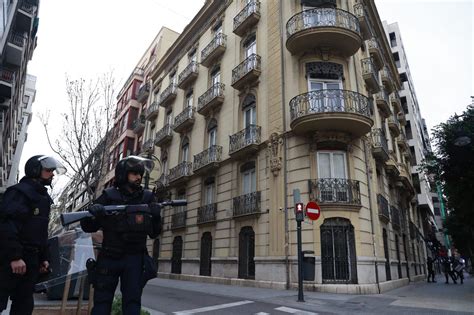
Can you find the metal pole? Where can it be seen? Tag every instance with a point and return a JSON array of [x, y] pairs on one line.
[[300, 263]]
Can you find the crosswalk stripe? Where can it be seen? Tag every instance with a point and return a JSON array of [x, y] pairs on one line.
[[212, 308], [294, 311], [262, 313]]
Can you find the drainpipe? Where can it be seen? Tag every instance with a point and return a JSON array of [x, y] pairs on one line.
[[285, 147], [369, 195]]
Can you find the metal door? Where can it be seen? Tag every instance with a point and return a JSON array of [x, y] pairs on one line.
[[338, 255], [177, 254], [206, 253], [387, 257], [247, 253]]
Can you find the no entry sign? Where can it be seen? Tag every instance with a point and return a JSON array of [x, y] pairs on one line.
[[312, 210]]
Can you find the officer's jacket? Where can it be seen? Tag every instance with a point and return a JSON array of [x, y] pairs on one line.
[[24, 218], [118, 235]]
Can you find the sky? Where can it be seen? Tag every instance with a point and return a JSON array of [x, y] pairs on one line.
[[87, 38]]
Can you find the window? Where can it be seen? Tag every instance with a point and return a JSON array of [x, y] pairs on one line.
[[249, 111], [164, 162], [408, 131], [209, 190], [403, 100], [173, 77], [403, 77], [188, 102], [325, 77], [413, 155], [332, 164], [249, 178], [396, 57], [185, 150], [250, 46], [212, 132], [216, 75], [192, 56], [416, 182], [169, 118], [217, 29], [393, 40], [121, 149]]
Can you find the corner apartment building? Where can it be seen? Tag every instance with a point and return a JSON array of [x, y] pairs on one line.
[[18, 27], [129, 120], [256, 99], [416, 133]]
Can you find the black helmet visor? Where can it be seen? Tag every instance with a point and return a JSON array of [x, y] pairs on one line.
[[138, 163]]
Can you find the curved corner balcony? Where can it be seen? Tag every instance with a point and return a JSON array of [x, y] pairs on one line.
[[335, 110], [336, 193], [324, 28]]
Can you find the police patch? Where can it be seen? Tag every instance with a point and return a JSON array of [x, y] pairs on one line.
[[36, 211], [139, 219]]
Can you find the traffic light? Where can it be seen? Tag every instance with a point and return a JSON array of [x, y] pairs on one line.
[[299, 211]]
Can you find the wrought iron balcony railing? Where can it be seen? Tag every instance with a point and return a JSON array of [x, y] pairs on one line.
[[245, 137], [207, 213], [335, 190], [395, 217], [379, 140], [326, 101], [246, 204], [7, 75], [187, 115], [178, 220], [252, 8], [148, 145], [143, 92], [152, 110], [168, 94], [183, 169], [211, 155], [322, 17], [219, 41], [17, 39], [27, 7], [251, 63], [384, 210], [163, 133], [191, 70], [214, 92]]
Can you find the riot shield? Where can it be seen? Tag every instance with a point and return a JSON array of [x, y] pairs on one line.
[[69, 252]]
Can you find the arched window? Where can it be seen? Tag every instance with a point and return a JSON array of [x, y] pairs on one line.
[[185, 149], [338, 256], [249, 109], [209, 190], [249, 178], [212, 132]]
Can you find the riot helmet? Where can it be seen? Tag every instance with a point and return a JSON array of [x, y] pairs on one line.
[[36, 163], [129, 164]]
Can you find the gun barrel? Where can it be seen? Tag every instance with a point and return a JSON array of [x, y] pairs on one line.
[[175, 203]]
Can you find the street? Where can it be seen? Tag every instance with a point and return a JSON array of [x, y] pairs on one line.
[[162, 296]]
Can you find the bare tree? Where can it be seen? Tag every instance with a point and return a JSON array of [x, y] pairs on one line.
[[86, 127]]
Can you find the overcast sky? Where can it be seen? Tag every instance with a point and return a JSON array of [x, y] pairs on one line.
[[89, 37]]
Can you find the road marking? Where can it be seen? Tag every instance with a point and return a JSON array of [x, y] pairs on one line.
[[152, 312], [262, 313], [212, 308], [294, 311]]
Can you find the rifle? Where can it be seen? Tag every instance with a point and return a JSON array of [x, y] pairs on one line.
[[71, 217]]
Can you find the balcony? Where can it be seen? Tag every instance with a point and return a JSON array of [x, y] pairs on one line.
[[379, 145], [403, 143], [24, 18], [212, 99], [178, 220], [394, 126], [247, 72], [152, 111], [14, 48], [323, 29], [336, 193], [162, 183], [180, 173], [404, 179], [143, 92], [163, 136], [7, 79], [248, 204], [387, 79], [336, 110], [402, 118], [188, 75], [207, 214], [184, 120], [384, 212], [207, 160], [383, 103], [391, 167], [375, 53], [148, 146], [245, 142], [396, 103], [168, 95], [213, 50], [370, 75], [395, 218], [247, 18], [138, 124], [361, 14]]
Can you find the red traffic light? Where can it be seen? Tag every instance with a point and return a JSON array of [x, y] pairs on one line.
[[299, 207]]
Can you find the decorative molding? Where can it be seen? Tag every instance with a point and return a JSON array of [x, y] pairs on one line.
[[331, 136], [273, 152], [325, 70]]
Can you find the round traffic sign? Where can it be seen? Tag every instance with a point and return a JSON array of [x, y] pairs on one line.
[[313, 211]]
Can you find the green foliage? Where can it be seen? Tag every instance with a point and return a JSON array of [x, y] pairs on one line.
[[452, 166], [117, 307]]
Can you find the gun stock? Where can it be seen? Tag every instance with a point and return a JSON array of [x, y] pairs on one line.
[[71, 217]]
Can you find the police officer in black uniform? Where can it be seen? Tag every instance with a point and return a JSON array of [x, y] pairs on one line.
[[24, 218], [123, 248]]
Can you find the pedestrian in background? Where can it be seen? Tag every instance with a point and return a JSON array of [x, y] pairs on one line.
[[459, 265], [448, 269], [24, 218], [431, 273]]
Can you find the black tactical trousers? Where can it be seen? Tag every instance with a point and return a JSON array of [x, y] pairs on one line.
[[19, 288]]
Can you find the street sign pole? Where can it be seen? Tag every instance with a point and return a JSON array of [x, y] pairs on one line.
[[299, 214]]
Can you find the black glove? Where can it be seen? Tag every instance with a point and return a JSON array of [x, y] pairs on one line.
[[155, 209], [97, 210]]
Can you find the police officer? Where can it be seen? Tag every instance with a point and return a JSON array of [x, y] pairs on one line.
[[24, 218], [123, 248]]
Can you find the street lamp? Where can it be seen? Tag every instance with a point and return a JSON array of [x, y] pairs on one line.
[[152, 157]]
